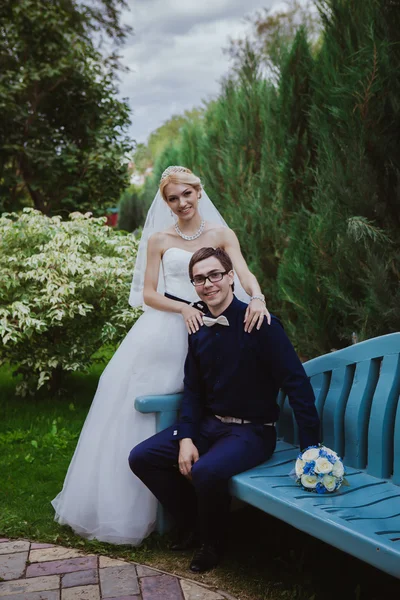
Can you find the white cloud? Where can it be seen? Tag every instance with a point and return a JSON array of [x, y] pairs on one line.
[[176, 56]]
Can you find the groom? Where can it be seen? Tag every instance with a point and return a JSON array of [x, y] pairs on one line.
[[229, 410]]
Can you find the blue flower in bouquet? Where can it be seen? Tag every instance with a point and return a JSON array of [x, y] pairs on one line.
[[309, 468], [319, 469], [328, 455], [320, 488]]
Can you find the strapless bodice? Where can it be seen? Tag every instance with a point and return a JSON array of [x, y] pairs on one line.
[[175, 263]]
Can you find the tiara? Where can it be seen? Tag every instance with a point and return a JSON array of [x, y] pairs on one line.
[[173, 169]]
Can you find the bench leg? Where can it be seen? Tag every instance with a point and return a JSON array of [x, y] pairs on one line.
[[164, 522]]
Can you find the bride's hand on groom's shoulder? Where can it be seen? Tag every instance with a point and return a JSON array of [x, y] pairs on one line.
[[193, 318], [254, 315]]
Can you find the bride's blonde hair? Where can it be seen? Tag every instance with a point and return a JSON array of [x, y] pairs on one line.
[[175, 174]]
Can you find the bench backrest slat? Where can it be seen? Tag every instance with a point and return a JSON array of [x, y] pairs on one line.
[[286, 424], [382, 422], [358, 408], [332, 421], [396, 448], [321, 384]]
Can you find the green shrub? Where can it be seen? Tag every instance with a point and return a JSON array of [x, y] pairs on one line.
[[64, 289], [132, 209]]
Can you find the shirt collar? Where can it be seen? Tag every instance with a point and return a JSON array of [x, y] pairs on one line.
[[230, 311]]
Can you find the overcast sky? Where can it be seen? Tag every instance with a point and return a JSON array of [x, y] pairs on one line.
[[175, 55]]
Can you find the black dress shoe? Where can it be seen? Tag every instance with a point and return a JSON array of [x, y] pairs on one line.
[[204, 559], [186, 541]]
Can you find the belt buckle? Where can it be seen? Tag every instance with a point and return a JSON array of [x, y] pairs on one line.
[[233, 420], [228, 420]]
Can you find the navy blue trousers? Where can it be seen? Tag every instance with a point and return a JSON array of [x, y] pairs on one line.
[[225, 450]]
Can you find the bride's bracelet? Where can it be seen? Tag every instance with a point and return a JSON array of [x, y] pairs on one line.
[[258, 297]]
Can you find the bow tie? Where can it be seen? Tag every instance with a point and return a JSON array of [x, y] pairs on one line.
[[209, 322]]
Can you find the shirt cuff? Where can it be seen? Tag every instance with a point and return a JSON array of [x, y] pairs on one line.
[[184, 430]]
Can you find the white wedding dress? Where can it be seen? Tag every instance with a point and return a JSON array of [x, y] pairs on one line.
[[101, 497]]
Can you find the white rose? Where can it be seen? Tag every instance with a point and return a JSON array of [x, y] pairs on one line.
[[311, 454], [338, 469], [309, 481], [299, 467], [322, 465], [329, 482]]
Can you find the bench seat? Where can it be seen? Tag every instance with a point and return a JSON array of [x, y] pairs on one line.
[[362, 519]]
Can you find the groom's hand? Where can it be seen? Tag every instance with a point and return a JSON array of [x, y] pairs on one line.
[[188, 454]]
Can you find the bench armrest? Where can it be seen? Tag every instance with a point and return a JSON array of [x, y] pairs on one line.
[[165, 406], [150, 404]]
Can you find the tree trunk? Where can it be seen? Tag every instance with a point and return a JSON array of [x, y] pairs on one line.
[[56, 380], [37, 197]]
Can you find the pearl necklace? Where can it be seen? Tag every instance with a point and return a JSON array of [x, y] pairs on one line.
[[191, 237]]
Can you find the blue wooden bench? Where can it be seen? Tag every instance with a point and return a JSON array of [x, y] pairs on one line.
[[357, 397]]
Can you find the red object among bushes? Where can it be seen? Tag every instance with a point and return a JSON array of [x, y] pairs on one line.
[[112, 217]]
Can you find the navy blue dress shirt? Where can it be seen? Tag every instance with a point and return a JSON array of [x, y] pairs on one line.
[[229, 372]]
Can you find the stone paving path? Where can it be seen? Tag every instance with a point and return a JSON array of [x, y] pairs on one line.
[[30, 571]]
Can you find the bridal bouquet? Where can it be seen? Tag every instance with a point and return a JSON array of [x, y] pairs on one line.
[[319, 469]]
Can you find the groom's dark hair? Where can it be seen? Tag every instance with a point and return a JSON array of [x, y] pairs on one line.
[[204, 253]]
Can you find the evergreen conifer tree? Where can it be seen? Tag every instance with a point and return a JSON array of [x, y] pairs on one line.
[[342, 273]]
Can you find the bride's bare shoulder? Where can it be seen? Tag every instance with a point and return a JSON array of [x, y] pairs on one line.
[[219, 233], [215, 228], [160, 239], [157, 239]]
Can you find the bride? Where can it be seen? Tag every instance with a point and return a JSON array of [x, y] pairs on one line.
[[100, 497]]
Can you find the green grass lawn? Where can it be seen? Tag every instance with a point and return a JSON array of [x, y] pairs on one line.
[[266, 559]]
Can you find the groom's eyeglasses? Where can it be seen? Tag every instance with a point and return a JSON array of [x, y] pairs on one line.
[[212, 278]]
